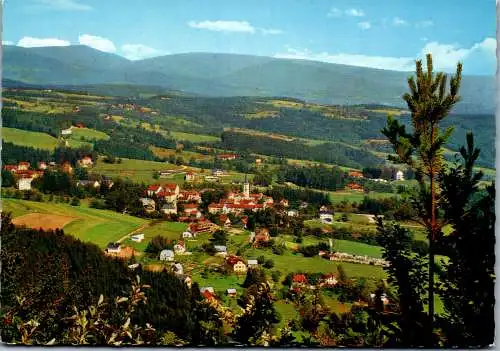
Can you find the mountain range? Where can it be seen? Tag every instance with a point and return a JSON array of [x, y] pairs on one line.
[[212, 74]]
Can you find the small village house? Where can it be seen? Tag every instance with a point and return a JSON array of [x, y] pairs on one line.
[[189, 177], [240, 267], [167, 255], [23, 166], [355, 174], [24, 182], [149, 204], [113, 248], [178, 269], [261, 236], [169, 208], [231, 292], [137, 238], [153, 189], [326, 217], [42, 165], [187, 235], [292, 213], [400, 175], [253, 263], [86, 162], [221, 250], [180, 247], [66, 131], [88, 183]]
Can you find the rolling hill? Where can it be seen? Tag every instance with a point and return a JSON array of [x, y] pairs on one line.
[[229, 75]]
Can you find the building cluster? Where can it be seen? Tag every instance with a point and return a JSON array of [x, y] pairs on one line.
[[237, 203], [345, 257]]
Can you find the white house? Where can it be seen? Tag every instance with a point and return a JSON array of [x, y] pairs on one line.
[[252, 263], [66, 131], [137, 238], [169, 208], [221, 250], [113, 248], [133, 266], [178, 269], [231, 292], [208, 288], [149, 204], [91, 183], [24, 183], [167, 255], [400, 175], [292, 213], [187, 234], [326, 217], [179, 248], [240, 267]]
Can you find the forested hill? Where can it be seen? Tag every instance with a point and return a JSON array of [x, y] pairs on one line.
[[229, 75]]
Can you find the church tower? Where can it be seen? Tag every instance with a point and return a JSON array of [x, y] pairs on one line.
[[246, 188]]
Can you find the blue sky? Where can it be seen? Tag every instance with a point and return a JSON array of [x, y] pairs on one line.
[[387, 34]]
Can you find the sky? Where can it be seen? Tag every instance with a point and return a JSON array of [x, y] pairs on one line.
[[385, 34]]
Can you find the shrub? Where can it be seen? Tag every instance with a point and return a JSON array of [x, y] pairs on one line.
[[269, 263]]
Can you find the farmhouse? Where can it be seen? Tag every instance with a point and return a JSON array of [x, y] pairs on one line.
[[227, 157], [113, 248], [180, 248], [221, 250], [326, 217], [137, 238], [24, 182], [354, 187], [167, 255], [355, 174], [169, 208], [201, 227], [189, 196], [400, 175], [66, 131], [211, 179], [208, 293], [88, 183], [42, 165], [292, 213], [189, 177], [217, 172], [231, 292], [252, 263], [261, 236], [178, 269], [11, 168], [149, 204], [328, 280], [298, 280], [187, 235]]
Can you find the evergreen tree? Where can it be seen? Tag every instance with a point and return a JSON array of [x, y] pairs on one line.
[[422, 149], [258, 319], [469, 278]]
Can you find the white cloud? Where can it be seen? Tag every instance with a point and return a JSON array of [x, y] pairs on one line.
[[334, 12], [31, 42], [7, 42], [424, 39], [98, 43], [446, 56], [271, 31], [424, 24], [364, 25], [224, 26], [399, 22], [355, 13], [64, 5], [394, 63], [480, 57], [138, 51]]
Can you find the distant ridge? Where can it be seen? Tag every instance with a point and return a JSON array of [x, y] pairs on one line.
[[214, 74]]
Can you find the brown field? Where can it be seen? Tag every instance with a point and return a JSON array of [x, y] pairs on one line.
[[43, 221]]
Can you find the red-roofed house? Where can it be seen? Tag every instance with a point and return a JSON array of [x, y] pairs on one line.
[[355, 174], [11, 168], [192, 210], [154, 189], [299, 279], [215, 208], [261, 236], [86, 162], [23, 166], [172, 187], [225, 221], [227, 157], [42, 165], [354, 186]]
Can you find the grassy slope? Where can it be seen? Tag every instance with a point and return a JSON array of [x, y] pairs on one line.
[[196, 138], [26, 138], [88, 134], [97, 226]]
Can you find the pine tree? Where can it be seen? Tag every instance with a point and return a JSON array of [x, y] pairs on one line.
[[469, 278], [422, 150]]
